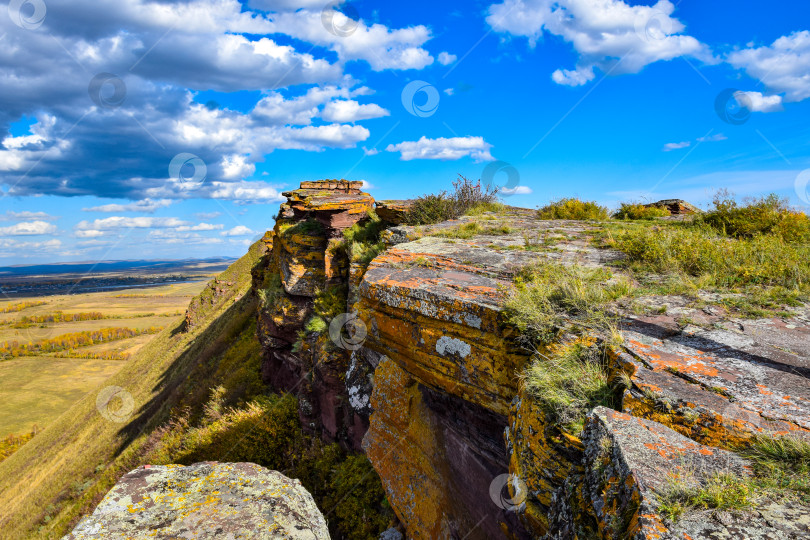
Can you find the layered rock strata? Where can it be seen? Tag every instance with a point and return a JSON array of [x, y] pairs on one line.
[[431, 384]]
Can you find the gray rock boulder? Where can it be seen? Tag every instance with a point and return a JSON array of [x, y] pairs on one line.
[[204, 501]]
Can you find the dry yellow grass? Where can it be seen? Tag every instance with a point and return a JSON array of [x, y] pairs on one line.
[[36, 390], [63, 471]]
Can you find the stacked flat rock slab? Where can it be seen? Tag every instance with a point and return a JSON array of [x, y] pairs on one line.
[[434, 307], [304, 258], [204, 501]]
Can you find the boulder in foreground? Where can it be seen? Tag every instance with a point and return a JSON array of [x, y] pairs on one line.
[[202, 501]]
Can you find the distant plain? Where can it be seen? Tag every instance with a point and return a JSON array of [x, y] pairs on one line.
[[36, 389]]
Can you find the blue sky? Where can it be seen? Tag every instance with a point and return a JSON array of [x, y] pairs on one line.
[[107, 106]]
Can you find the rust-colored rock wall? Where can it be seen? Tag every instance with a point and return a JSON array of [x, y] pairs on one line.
[[430, 387]]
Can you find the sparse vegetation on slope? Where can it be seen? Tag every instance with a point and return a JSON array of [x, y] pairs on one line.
[[47, 484], [633, 211], [572, 208], [443, 206], [198, 396], [567, 379], [781, 471], [771, 216]]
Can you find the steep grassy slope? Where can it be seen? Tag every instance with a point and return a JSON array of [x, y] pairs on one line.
[[65, 470]]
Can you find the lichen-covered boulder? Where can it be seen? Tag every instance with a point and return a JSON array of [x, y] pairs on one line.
[[336, 204], [204, 501], [723, 381]]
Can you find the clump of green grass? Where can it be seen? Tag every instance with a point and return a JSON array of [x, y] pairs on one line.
[[573, 378], [486, 206], [724, 262], [362, 240], [722, 491], [272, 288], [569, 384], [781, 465], [308, 227], [443, 206], [573, 208], [769, 215], [473, 228], [548, 294], [634, 211], [328, 304], [781, 470]]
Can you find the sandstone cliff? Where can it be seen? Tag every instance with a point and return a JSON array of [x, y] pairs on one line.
[[406, 352]]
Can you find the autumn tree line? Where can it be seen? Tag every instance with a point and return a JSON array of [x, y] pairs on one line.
[[11, 349], [13, 308]]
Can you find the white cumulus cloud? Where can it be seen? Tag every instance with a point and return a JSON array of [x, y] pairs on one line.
[[239, 230], [783, 66], [676, 146], [607, 34], [147, 205], [443, 149], [446, 58], [28, 228]]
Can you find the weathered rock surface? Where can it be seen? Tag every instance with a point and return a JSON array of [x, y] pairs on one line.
[[432, 391], [630, 463], [675, 207], [204, 501], [434, 307], [393, 212]]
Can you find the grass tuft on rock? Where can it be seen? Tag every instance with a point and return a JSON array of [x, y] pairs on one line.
[[569, 383], [573, 208], [362, 240], [722, 491], [781, 465], [437, 207], [568, 379]]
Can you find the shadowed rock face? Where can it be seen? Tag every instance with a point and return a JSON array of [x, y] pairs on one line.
[[393, 212], [204, 501]]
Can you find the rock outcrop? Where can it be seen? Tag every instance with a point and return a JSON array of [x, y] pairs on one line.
[[427, 377], [393, 212], [204, 501], [306, 265], [675, 207]]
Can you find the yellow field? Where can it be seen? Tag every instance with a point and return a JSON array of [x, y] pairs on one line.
[[34, 390]]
